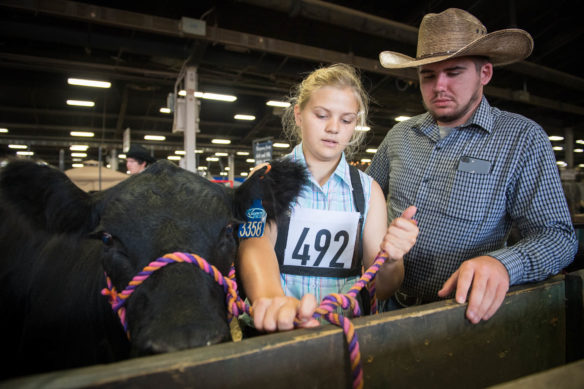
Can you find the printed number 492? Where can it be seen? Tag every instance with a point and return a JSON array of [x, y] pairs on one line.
[[320, 246]]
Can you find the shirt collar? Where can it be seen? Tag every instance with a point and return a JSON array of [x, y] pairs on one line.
[[341, 172], [480, 119]]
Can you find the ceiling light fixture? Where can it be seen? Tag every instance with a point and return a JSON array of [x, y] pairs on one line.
[[371, 151], [79, 155], [242, 153], [362, 128], [174, 157], [276, 103], [25, 153], [402, 118], [281, 145], [154, 137], [221, 154], [210, 96], [18, 147], [81, 103], [164, 110], [553, 138], [78, 147], [212, 159], [91, 83], [221, 141], [82, 134], [3, 130], [244, 117], [77, 165]]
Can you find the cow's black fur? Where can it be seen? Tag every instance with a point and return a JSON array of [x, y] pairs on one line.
[[52, 260]]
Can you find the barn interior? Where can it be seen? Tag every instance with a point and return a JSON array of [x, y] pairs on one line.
[[252, 51]]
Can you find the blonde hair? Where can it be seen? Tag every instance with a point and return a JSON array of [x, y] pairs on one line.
[[337, 75]]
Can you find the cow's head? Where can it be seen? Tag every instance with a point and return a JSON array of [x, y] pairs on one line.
[[163, 210]]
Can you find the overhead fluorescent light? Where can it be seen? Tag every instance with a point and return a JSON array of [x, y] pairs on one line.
[[77, 159], [558, 148], [78, 147], [371, 151], [82, 133], [242, 153], [79, 155], [579, 150], [215, 96], [201, 151], [122, 156], [244, 117], [180, 152], [250, 160], [164, 110], [223, 173], [561, 163], [77, 165], [281, 145], [210, 96], [154, 137], [24, 153], [81, 103], [91, 83], [362, 128], [221, 154], [18, 147], [3, 130], [212, 159], [226, 168], [402, 118], [580, 141], [243, 174], [174, 157], [221, 141], [365, 160], [276, 103], [555, 138]]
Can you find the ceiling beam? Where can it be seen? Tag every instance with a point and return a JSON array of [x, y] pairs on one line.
[[172, 27]]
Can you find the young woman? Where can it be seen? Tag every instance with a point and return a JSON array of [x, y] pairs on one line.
[[319, 250]]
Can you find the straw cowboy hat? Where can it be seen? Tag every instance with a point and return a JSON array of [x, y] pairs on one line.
[[456, 33]]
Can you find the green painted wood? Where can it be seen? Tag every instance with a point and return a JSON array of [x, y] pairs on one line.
[[427, 346]]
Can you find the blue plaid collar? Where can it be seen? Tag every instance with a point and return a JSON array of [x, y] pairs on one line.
[[481, 120], [341, 171]]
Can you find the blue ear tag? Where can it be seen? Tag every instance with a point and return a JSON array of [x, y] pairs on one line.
[[256, 221]]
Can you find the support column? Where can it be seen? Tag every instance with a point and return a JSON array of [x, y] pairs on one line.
[[192, 119]]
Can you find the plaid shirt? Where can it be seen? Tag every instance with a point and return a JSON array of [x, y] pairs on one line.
[[462, 214], [335, 195]]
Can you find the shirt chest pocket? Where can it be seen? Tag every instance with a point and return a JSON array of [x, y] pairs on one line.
[[470, 196]]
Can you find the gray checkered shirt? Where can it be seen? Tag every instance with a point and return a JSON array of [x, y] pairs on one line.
[[463, 214]]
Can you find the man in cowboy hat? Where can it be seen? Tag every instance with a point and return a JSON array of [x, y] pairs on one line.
[[471, 170], [138, 159]]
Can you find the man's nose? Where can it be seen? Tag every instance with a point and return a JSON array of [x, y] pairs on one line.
[[440, 82]]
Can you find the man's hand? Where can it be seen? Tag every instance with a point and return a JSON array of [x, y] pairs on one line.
[[490, 282], [401, 235], [279, 313]]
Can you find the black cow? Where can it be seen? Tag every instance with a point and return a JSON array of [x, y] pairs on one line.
[[56, 242]]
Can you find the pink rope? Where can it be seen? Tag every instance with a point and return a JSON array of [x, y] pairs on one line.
[[236, 306]]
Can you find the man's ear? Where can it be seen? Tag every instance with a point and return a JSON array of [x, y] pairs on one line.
[[486, 73]]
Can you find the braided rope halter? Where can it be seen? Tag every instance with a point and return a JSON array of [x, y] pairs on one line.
[[236, 306]]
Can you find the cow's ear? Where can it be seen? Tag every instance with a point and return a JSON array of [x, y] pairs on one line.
[[46, 197], [277, 186]]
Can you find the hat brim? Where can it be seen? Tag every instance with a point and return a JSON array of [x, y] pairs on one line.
[[501, 47]]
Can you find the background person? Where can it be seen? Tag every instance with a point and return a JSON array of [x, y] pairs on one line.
[[284, 274], [471, 170], [138, 159]]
